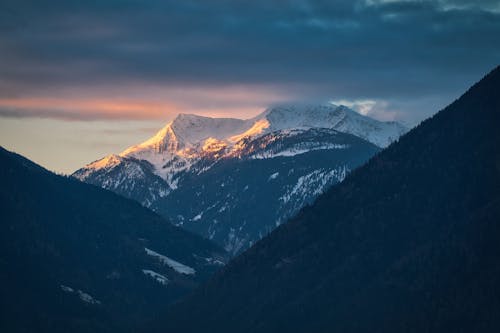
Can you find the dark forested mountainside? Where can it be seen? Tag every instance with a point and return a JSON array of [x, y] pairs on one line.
[[76, 258], [410, 242]]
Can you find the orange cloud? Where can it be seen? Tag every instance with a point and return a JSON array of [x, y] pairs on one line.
[[135, 102], [85, 109]]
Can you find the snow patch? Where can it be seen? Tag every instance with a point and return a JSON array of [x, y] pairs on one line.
[[313, 184], [274, 176], [197, 217], [296, 151], [210, 260], [157, 276], [233, 243], [67, 289], [85, 297], [175, 265]]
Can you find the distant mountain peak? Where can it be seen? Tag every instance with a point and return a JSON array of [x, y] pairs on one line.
[[304, 147], [338, 117], [164, 140], [190, 130], [189, 137]]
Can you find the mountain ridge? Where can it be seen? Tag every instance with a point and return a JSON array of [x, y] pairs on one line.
[[305, 148], [74, 258], [185, 126], [187, 133], [408, 242]]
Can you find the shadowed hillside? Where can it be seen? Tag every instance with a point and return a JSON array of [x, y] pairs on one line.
[[408, 243], [73, 257]]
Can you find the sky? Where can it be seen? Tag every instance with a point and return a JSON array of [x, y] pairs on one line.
[[83, 79]]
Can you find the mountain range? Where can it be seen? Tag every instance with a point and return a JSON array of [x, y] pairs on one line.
[[77, 258], [233, 181], [409, 242]]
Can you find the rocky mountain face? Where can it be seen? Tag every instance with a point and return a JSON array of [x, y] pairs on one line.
[[234, 180]]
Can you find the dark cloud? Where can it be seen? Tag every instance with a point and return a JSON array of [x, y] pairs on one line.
[[393, 51]]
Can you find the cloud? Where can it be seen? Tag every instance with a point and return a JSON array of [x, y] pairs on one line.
[[141, 103], [365, 50], [376, 109], [82, 109], [443, 5]]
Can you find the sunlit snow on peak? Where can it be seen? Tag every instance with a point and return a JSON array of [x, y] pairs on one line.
[[189, 138]]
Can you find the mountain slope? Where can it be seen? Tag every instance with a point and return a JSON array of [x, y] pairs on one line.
[[410, 242], [238, 201], [306, 148], [74, 257]]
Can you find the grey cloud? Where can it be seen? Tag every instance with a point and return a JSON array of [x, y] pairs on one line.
[[385, 50], [45, 113]]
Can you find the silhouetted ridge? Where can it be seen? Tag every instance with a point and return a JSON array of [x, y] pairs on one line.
[[74, 257]]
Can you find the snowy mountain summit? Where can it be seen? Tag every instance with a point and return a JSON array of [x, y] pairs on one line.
[[339, 118], [190, 137], [188, 131], [321, 143]]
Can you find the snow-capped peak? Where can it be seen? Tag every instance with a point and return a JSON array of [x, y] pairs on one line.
[[340, 118], [186, 132], [189, 134], [188, 137], [192, 129], [300, 116]]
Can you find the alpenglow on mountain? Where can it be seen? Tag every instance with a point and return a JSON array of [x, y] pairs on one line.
[[234, 180]]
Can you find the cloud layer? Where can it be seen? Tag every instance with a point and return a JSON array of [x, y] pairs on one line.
[[150, 59]]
